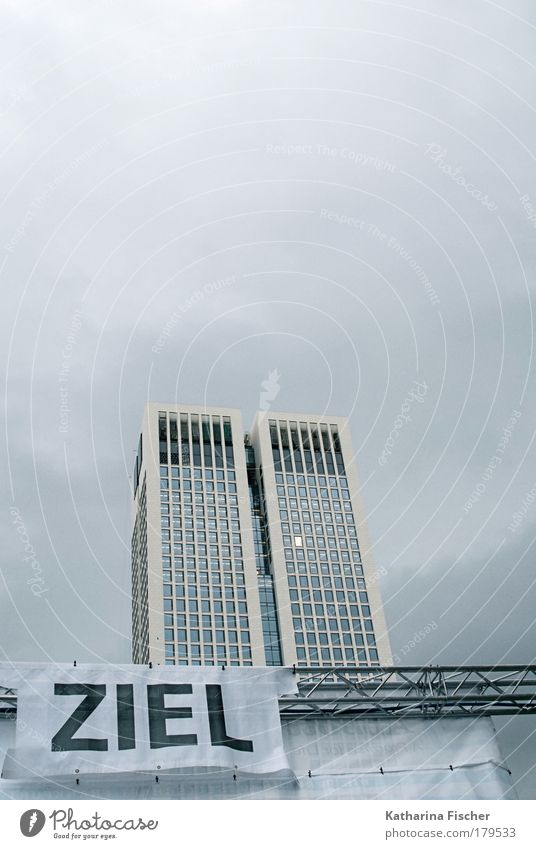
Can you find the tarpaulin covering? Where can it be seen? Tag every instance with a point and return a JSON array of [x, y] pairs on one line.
[[443, 758]]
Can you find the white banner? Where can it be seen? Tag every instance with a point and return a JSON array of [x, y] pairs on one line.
[[101, 718]]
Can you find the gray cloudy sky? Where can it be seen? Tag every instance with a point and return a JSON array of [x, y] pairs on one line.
[[360, 179]]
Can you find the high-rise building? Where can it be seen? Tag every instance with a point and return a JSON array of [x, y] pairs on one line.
[[251, 548]]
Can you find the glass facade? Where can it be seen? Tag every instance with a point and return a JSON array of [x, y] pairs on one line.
[[205, 608], [261, 542], [329, 603]]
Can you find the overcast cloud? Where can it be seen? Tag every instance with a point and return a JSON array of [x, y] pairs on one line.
[[342, 192]]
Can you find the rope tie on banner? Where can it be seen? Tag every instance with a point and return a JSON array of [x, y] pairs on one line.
[[451, 768], [150, 664], [74, 662], [309, 774], [381, 770]]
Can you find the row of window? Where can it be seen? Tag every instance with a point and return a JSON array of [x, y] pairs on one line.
[[203, 564], [206, 594], [326, 581], [321, 555], [333, 639], [195, 606], [196, 486], [199, 511], [177, 518], [206, 662], [215, 579], [328, 597], [200, 537], [190, 549], [325, 567], [206, 635], [314, 504], [312, 492], [331, 610], [181, 620], [326, 517], [186, 472], [199, 498], [314, 656], [312, 480], [194, 651]]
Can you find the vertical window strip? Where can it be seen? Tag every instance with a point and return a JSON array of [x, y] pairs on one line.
[[196, 445], [338, 451], [306, 444], [207, 441], [173, 439], [218, 450], [228, 439], [296, 448], [185, 440], [162, 437], [328, 453]]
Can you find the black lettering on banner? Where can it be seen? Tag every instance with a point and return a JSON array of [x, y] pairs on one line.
[[158, 714], [63, 739], [216, 719], [126, 729]]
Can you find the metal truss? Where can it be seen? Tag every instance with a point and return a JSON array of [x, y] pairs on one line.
[[412, 691], [8, 700], [397, 691]]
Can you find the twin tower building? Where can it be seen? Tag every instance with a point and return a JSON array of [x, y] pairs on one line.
[[250, 548]]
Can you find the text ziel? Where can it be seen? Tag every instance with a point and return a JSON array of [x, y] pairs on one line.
[[157, 713]]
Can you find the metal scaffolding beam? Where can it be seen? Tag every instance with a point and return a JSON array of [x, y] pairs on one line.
[[412, 691], [398, 691]]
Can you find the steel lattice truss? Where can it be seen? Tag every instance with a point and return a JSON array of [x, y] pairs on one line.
[[410, 691], [398, 691]]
